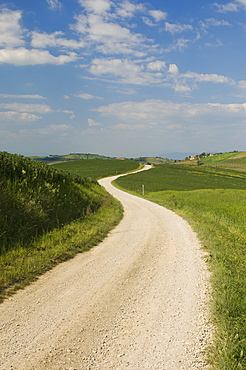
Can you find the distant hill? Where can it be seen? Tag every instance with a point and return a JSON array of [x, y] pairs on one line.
[[69, 157], [153, 160], [233, 159]]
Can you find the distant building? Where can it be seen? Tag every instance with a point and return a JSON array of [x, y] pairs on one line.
[[193, 157]]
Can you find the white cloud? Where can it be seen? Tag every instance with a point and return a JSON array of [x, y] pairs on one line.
[[54, 4], [165, 112], [127, 9], [87, 96], [126, 71], [177, 28], [65, 111], [96, 6], [230, 7], [224, 8], [242, 2], [242, 84], [158, 15], [156, 66], [214, 78], [173, 69], [18, 117], [178, 45], [212, 22], [110, 37], [99, 27], [13, 96], [182, 89], [23, 56], [133, 127], [127, 91], [11, 33], [148, 22], [93, 123], [44, 40], [19, 107]]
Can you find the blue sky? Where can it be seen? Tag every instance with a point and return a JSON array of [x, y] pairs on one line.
[[122, 78]]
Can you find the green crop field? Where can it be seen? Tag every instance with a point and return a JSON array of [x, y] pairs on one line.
[[213, 200], [96, 169], [235, 160]]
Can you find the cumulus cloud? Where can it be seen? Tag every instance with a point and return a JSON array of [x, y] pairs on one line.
[[126, 71], [54, 4], [86, 96], [55, 39], [103, 25], [93, 123], [96, 6], [23, 56], [231, 7], [163, 112], [17, 117], [177, 28], [158, 15], [127, 9], [214, 78], [11, 33], [110, 37], [212, 22], [156, 66], [19, 107], [173, 69]]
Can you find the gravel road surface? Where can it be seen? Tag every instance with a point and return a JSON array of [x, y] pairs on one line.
[[139, 300]]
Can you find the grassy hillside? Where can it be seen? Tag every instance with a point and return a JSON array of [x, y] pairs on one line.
[[46, 216], [98, 169], [154, 160], [213, 200], [69, 157], [235, 160]]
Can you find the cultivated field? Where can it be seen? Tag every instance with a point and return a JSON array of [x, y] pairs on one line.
[[213, 200], [96, 169]]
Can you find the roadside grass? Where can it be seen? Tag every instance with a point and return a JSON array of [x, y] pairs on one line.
[[47, 216], [96, 169], [21, 266], [216, 211]]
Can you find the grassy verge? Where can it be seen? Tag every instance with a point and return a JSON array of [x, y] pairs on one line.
[[21, 266], [218, 217]]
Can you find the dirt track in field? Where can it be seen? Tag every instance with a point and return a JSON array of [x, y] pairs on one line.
[[136, 301]]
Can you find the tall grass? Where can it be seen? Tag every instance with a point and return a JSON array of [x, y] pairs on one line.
[[36, 198], [46, 216], [216, 211]]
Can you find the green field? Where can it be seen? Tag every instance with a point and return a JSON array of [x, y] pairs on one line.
[[213, 200], [96, 169], [183, 177], [234, 160]]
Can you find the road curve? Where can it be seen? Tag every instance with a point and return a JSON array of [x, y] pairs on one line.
[[136, 301]]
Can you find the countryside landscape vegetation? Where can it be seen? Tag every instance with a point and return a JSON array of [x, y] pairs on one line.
[[50, 213]]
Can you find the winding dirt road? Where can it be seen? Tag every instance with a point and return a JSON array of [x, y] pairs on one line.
[[136, 301]]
